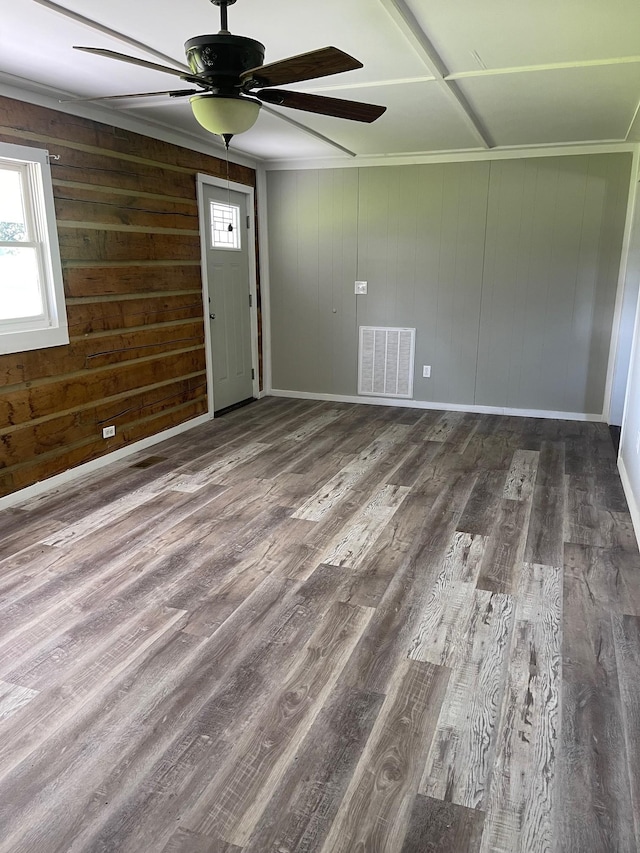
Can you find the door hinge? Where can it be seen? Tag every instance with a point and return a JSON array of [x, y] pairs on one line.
[[248, 221], [250, 301], [253, 373]]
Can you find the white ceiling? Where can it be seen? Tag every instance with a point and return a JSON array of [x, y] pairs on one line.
[[455, 76]]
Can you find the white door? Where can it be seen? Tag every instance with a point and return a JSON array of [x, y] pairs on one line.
[[229, 295]]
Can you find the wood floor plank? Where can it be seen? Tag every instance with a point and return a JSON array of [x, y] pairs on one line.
[[438, 827], [626, 636], [610, 576], [351, 546], [505, 547], [460, 761], [522, 475], [546, 527], [233, 804], [524, 786], [375, 812], [325, 499], [551, 464], [484, 503], [446, 617], [184, 841], [442, 429], [387, 639], [13, 697], [597, 813], [301, 810]]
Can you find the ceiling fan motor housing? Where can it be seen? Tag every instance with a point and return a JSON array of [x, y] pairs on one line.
[[223, 58]]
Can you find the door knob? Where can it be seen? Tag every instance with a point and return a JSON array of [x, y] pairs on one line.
[[212, 316]]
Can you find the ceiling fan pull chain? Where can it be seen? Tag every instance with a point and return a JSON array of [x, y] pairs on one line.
[[230, 225]]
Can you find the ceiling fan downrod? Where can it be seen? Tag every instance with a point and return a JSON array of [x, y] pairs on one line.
[[224, 25]]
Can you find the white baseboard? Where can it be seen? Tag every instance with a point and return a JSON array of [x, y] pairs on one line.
[[634, 507], [441, 407], [51, 484]]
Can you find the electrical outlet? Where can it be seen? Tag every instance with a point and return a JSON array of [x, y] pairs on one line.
[[108, 432], [426, 371], [361, 288]]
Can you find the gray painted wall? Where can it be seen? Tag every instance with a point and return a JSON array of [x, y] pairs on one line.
[[507, 269]]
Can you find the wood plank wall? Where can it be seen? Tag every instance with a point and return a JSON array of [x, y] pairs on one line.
[[128, 229]]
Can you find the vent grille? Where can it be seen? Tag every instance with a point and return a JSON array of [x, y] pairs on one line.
[[385, 363]]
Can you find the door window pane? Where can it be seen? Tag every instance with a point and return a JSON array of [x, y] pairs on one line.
[[20, 291], [225, 226]]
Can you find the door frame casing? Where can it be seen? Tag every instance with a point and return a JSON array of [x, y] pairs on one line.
[[210, 180]]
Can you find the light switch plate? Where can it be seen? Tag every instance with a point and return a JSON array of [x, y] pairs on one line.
[[426, 371], [361, 288]]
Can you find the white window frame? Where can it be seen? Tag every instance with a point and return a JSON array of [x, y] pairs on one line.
[[50, 328]]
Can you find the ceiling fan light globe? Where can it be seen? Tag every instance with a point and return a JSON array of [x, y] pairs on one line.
[[224, 115]]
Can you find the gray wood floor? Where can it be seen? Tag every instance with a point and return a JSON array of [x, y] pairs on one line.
[[324, 627]]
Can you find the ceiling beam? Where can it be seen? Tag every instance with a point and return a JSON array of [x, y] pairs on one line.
[[552, 66], [413, 32], [107, 31]]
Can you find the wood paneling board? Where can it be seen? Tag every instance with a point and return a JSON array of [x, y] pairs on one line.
[[87, 317], [112, 209], [100, 350], [549, 282], [96, 280], [18, 405], [180, 672], [128, 233]]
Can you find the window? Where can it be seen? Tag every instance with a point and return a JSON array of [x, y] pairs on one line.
[[225, 226], [32, 307]]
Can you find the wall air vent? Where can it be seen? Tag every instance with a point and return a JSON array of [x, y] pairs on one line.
[[385, 361]]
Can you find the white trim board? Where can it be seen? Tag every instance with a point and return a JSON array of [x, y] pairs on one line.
[[612, 366], [413, 158], [634, 508], [440, 407], [51, 484]]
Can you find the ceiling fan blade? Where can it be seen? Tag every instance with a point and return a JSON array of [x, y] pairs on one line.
[[176, 93], [123, 57], [353, 110], [305, 66], [102, 28]]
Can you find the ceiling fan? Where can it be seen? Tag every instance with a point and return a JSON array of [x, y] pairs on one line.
[[232, 81]]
